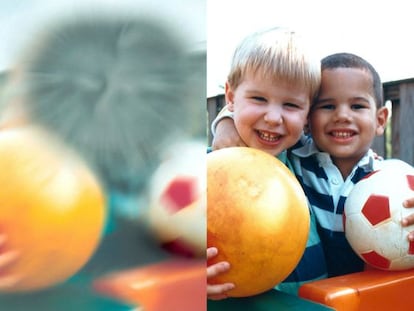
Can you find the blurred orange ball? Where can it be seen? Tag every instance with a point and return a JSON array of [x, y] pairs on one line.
[[52, 209], [257, 217]]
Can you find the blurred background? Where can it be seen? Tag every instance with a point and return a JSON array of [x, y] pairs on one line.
[[157, 86], [20, 19]]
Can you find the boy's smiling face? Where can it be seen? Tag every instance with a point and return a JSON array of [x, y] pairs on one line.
[[344, 119], [268, 116]]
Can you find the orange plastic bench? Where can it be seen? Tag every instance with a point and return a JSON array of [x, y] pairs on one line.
[[369, 290], [173, 285]]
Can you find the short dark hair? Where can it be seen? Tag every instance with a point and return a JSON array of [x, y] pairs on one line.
[[348, 60]]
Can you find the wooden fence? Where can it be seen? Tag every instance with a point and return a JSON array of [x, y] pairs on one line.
[[398, 140]]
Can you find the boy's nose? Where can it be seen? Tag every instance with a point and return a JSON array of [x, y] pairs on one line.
[[273, 116], [342, 113]]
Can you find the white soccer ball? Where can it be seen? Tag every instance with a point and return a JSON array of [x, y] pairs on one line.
[[372, 217], [177, 200]]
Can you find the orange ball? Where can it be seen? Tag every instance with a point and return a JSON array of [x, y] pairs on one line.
[[257, 217], [52, 209]]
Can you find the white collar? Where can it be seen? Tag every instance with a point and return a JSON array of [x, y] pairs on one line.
[[308, 148]]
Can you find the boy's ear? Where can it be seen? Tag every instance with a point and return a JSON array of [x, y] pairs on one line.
[[229, 97], [306, 128], [382, 118]]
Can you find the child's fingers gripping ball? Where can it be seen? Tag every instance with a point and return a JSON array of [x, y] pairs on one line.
[[52, 210]]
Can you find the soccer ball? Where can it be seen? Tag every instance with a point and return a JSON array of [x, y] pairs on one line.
[[372, 218], [177, 202]]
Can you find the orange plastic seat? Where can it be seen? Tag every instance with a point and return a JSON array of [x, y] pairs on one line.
[[369, 290], [173, 285]]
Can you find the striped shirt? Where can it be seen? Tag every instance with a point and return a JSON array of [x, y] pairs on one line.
[[312, 265], [327, 191]]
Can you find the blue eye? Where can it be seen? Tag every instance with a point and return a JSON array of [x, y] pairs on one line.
[[327, 107], [292, 105], [357, 106], [259, 98]]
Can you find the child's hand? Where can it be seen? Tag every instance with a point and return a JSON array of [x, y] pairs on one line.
[[227, 135], [409, 220], [7, 257], [217, 291]]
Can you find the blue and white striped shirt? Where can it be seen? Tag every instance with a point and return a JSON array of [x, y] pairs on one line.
[[327, 191], [312, 265]]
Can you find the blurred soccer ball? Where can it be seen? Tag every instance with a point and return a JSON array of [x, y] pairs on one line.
[[177, 211]]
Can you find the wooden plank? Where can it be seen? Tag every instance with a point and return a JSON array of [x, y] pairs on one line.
[[395, 122], [406, 128]]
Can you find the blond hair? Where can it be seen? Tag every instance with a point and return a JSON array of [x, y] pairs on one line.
[[278, 54]]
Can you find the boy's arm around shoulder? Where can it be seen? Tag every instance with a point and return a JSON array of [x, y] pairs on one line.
[[225, 132]]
